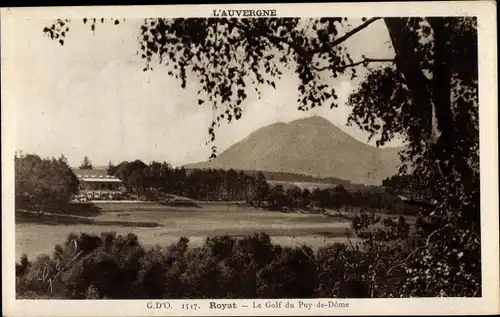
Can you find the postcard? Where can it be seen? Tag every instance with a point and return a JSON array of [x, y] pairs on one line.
[[250, 159]]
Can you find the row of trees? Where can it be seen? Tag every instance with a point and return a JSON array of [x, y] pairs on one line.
[[43, 182], [335, 197], [211, 184], [293, 197], [217, 184], [272, 176]]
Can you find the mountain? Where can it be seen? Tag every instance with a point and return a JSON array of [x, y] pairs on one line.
[[312, 146]]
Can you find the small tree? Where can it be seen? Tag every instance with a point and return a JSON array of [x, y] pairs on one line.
[[262, 188], [86, 164], [111, 169], [277, 196], [294, 195]]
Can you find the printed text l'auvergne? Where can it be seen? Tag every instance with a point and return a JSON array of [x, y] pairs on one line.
[[244, 13]]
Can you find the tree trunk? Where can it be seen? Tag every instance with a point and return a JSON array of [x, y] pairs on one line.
[[408, 64], [431, 96], [442, 88]]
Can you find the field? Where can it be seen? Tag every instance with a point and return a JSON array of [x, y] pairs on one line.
[[313, 185], [163, 225]]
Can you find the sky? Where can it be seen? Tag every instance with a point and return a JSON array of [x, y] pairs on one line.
[[91, 98]]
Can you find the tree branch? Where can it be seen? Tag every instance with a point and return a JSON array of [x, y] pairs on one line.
[[364, 61], [418, 249], [353, 31], [299, 49], [67, 264], [346, 261]]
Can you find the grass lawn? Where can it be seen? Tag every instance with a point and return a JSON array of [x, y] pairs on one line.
[[163, 225]]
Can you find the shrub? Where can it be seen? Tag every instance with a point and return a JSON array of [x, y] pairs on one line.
[[291, 274], [117, 267]]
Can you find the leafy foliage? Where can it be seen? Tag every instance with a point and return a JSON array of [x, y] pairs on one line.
[[432, 102], [43, 182]]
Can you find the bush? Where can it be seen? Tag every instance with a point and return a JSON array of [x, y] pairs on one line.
[[291, 274], [117, 267]]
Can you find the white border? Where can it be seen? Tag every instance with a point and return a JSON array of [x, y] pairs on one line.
[[489, 303]]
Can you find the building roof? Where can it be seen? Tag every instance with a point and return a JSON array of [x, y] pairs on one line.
[[100, 180], [95, 175]]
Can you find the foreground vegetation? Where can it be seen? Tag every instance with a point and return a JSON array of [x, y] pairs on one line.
[[120, 267]]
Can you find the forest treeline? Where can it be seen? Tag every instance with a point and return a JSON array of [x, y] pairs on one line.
[[162, 178], [46, 182], [155, 179]]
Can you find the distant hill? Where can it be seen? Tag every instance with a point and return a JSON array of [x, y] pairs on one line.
[[312, 146], [294, 177]]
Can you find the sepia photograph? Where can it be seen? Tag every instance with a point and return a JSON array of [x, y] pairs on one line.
[[243, 154]]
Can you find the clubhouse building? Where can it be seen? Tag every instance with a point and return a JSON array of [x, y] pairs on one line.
[[96, 184]]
